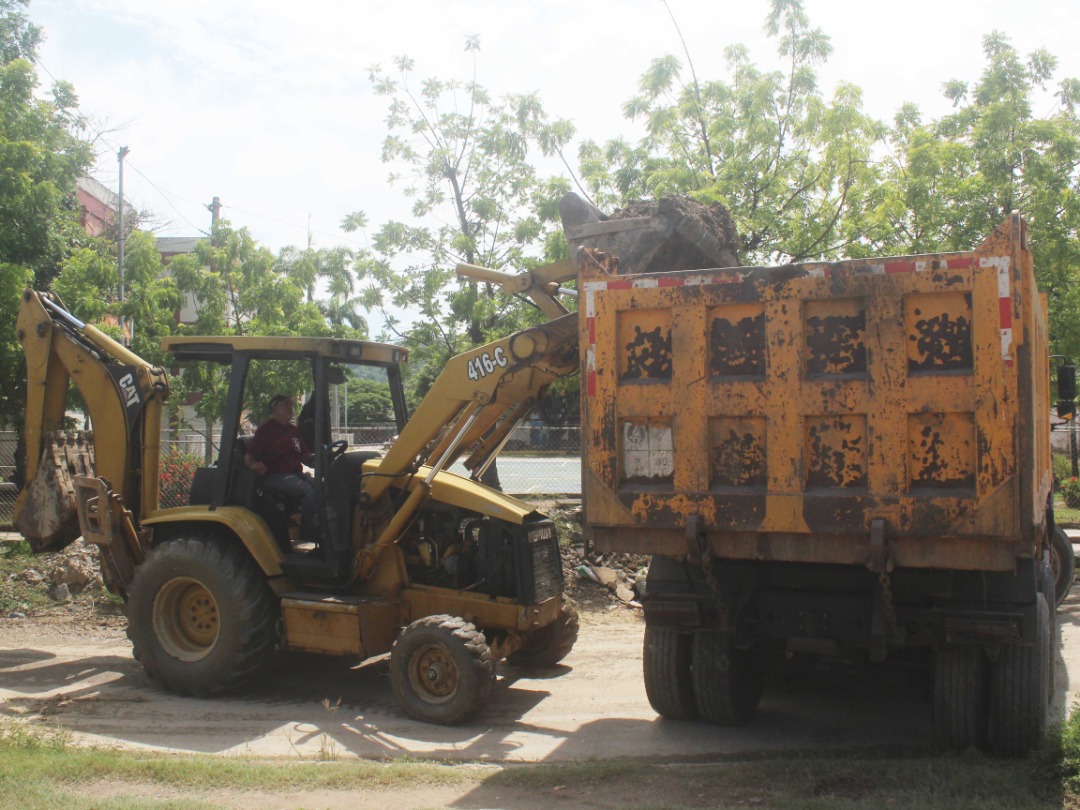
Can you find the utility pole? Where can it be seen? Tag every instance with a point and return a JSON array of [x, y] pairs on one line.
[[120, 159], [215, 211]]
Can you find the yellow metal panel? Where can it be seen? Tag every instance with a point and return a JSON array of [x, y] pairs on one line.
[[247, 526], [488, 612], [810, 400], [324, 628]]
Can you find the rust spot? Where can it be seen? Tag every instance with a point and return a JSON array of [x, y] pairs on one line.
[[648, 355], [738, 460], [836, 344], [942, 343], [738, 347], [836, 449], [835, 514], [934, 468]]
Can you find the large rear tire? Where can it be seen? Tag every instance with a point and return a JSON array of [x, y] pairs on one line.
[[442, 670], [201, 617], [1020, 691], [549, 645], [1062, 564], [669, 684], [727, 681], [960, 697]]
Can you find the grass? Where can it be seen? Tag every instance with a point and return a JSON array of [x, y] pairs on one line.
[[40, 770], [15, 593]]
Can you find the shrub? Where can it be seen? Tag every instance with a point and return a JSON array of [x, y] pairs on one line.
[[177, 472], [1062, 465], [1070, 492]]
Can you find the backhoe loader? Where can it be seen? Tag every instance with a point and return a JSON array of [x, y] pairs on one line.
[[444, 573]]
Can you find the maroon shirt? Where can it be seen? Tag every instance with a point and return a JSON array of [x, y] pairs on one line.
[[280, 447]]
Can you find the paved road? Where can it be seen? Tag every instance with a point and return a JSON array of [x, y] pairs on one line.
[[537, 475]]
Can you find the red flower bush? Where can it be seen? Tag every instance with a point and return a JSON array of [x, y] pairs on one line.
[[177, 472]]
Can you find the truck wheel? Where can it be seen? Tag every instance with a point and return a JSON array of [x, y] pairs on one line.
[[441, 669], [201, 617], [1020, 691], [669, 684], [549, 645], [959, 697], [1062, 564], [727, 681]]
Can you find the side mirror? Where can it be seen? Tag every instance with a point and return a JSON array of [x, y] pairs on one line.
[[1066, 379]]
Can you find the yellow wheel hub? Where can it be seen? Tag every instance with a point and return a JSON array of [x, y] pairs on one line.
[[433, 674], [186, 620]]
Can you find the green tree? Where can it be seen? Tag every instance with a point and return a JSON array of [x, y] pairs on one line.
[[790, 165], [948, 183], [41, 156], [465, 161], [237, 287]]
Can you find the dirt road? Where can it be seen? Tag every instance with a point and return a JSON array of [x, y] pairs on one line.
[[594, 707]]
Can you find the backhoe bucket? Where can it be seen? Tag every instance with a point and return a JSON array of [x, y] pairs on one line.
[[46, 512]]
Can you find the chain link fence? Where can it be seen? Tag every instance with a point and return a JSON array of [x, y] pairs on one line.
[[537, 460], [8, 441]]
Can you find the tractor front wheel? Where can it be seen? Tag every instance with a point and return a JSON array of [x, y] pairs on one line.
[[442, 670]]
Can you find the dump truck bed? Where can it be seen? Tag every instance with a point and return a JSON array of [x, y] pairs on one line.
[[791, 408]]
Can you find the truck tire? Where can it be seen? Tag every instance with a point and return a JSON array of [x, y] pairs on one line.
[[727, 681], [669, 683], [1020, 691], [1062, 564], [549, 645], [959, 697], [441, 669], [201, 617]]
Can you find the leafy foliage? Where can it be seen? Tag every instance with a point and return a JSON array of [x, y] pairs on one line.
[[788, 164], [41, 156], [465, 160]]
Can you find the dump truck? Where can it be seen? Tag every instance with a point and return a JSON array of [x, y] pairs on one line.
[[445, 574], [822, 459], [825, 456]]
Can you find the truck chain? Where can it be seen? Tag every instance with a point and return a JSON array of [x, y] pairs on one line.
[[887, 597]]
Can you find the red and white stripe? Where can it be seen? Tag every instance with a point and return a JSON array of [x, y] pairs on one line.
[[1005, 313]]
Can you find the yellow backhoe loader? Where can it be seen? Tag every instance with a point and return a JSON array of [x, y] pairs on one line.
[[444, 573]]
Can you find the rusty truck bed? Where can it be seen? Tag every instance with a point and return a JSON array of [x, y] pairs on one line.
[[790, 407]]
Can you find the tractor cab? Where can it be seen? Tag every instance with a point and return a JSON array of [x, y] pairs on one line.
[[331, 378]]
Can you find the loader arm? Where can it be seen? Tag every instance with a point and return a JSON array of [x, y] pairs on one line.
[[102, 485], [462, 411]]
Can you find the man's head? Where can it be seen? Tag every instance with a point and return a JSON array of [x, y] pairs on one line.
[[281, 408]]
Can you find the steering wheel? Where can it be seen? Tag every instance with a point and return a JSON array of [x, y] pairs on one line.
[[337, 449]]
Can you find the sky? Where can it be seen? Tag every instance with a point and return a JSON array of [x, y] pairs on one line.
[[267, 105]]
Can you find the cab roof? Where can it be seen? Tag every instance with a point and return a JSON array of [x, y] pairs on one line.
[[221, 349]]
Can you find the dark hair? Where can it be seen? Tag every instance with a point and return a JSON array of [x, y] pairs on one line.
[[278, 398]]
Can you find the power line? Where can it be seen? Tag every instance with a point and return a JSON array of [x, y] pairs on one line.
[[304, 228], [166, 198]]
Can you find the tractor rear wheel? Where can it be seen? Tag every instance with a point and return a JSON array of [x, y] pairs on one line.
[[201, 617]]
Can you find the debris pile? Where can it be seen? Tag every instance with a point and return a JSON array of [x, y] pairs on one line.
[[67, 572], [593, 579]]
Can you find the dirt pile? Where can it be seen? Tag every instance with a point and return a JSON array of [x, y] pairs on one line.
[[672, 233]]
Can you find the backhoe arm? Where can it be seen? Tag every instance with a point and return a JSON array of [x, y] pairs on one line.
[[123, 395]]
